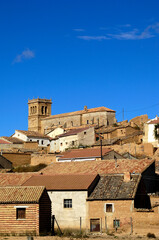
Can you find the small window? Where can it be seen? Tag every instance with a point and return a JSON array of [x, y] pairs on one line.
[[97, 138], [116, 223], [20, 213], [42, 142], [87, 121], [72, 123], [109, 207], [85, 133], [30, 140], [73, 143], [38, 141], [61, 144], [66, 143], [67, 203]]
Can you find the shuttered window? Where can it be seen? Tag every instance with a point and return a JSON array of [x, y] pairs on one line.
[[21, 213]]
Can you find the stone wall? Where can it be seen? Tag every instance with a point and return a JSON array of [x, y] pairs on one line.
[[37, 158], [18, 159]]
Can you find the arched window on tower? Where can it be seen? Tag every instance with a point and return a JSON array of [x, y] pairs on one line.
[[42, 109], [45, 110], [35, 109]]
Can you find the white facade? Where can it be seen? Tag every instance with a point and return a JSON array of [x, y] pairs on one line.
[[85, 138], [69, 217], [61, 144], [57, 131], [42, 142], [149, 133]]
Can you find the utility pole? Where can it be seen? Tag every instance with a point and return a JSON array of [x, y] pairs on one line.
[[123, 114]]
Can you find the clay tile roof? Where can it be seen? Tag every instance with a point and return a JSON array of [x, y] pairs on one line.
[[3, 142], [91, 110], [86, 153], [20, 194], [14, 140], [99, 167], [33, 134], [62, 182], [73, 132], [154, 121], [14, 179], [114, 187]]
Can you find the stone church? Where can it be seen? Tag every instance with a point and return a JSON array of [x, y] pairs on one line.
[[41, 120]]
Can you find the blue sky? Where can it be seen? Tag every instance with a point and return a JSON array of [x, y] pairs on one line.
[[78, 52]]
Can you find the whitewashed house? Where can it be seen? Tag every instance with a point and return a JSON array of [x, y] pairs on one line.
[[149, 129], [73, 139], [68, 194], [31, 136]]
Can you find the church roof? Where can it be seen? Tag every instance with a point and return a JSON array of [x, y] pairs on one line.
[[91, 110]]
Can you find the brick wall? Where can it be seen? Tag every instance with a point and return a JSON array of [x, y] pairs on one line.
[[143, 222], [10, 225]]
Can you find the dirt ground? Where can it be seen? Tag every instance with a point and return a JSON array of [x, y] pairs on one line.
[[93, 237]]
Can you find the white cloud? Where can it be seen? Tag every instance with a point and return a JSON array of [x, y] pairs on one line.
[[99, 38], [123, 33], [26, 54], [78, 30]]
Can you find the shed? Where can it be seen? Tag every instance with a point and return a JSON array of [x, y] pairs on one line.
[[24, 210]]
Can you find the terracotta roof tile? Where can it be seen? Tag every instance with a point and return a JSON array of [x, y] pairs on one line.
[[19, 194], [14, 140], [33, 134], [154, 121], [62, 182], [72, 132], [98, 167], [91, 110], [14, 179], [3, 142], [86, 153]]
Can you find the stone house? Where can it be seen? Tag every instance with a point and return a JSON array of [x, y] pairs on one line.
[[31, 136], [24, 210], [73, 139], [40, 118], [115, 197], [68, 194], [116, 132], [88, 154], [149, 136]]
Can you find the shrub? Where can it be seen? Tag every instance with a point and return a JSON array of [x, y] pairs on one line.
[[151, 235], [29, 168]]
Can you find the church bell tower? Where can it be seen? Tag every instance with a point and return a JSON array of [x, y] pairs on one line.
[[37, 110]]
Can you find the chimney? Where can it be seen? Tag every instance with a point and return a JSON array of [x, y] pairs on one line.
[[85, 108], [127, 176]]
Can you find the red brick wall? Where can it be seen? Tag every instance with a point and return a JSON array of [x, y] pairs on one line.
[[10, 225]]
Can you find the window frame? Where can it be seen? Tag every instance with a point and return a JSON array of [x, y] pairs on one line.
[[105, 207], [18, 208], [67, 203]]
